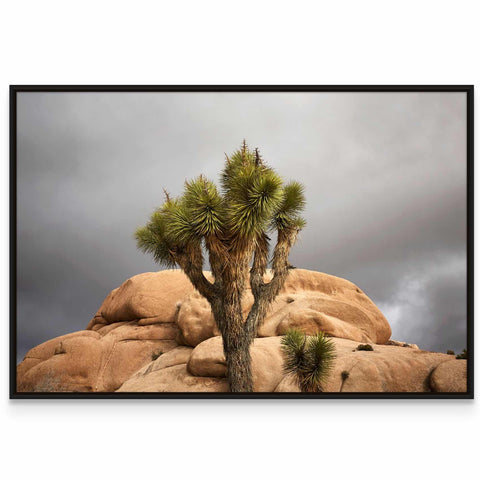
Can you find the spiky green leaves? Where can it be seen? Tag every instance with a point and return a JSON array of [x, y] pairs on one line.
[[293, 346], [169, 231], [151, 239], [205, 206], [179, 226], [310, 359], [287, 215], [253, 199], [320, 355], [253, 192], [234, 165]]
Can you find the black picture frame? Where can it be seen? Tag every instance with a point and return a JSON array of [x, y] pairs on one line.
[[467, 89]]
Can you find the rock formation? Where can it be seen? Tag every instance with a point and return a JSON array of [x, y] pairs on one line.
[[155, 333]]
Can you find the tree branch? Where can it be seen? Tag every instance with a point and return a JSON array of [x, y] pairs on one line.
[[259, 266], [191, 261], [218, 257], [265, 293], [286, 239]]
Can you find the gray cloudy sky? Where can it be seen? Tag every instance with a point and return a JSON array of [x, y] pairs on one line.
[[385, 178]]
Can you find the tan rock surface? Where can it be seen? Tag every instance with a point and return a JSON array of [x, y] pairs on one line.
[[288, 384], [195, 320], [174, 379], [93, 361], [66, 363], [387, 368], [450, 376], [176, 356], [148, 295]]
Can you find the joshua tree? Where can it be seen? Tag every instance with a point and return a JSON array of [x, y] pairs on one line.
[[231, 225], [310, 359]]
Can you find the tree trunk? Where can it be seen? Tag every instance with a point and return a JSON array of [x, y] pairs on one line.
[[236, 344], [237, 354]]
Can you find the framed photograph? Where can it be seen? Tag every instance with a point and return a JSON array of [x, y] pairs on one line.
[[241, 242]]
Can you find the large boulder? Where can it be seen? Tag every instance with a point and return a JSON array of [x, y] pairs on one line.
[[450, 377], [152, 297], [386, 368], [66, 363], [309, 301], [93, 361]]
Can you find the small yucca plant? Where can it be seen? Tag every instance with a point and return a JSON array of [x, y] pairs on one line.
[[309, 358]]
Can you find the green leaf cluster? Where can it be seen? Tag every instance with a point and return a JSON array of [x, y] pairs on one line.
[[309, 358], [252, 200], [292, 204]]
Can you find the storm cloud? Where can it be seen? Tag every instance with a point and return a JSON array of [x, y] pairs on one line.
[[385, 178]]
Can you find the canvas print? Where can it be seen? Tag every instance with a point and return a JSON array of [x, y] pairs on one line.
[[225, 242]]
